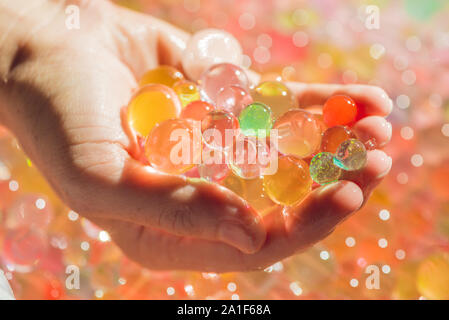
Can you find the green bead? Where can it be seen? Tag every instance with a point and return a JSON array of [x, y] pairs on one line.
[[256, 120], [351, 155], [322, 168]]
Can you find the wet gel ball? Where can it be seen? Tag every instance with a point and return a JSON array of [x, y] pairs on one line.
[[165, 75], [299, 133], [433, 277], [233, 99], [276, 95], [256, 120], [174, 146], [151, 105], [187, 91], [213, 166], [23, 247], [322, 168], [291, 182], [339, 110], [351, 155], [252, 190], [30, 210], [249, 157], [333, 137], [208, 47], [218, 129], [220, 76], [196, 110]]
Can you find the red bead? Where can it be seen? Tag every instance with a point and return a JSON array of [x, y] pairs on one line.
[[339, 110]]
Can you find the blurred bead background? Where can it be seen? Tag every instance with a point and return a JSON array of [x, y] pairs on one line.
[[396, 247]]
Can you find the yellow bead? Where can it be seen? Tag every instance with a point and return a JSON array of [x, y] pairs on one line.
[[187, 91], [433, 277], [151, 105], [165, 75], [252, 191], [276, 95], [291, 182]]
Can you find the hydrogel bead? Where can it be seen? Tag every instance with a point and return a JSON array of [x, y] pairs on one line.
[[208, 47], [339, 110], [196, 110], [30, 210], [291, 182], [221, 76], [433, 277], [174, 146], [256, 120], [165, 75], [187, 91], [351, 155], [322, 168], [213, 166], [252, 190], [276, 95], [249, 158], [151, 105], [215, 126], [299, 133], [233, 99], [23, 247], [333, 137]]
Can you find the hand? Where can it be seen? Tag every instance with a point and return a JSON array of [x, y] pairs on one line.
[[63, 100]]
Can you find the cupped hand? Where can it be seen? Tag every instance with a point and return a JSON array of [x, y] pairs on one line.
[[65, 91]]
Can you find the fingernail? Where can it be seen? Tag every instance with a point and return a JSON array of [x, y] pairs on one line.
[[388, 163], [235, 235]]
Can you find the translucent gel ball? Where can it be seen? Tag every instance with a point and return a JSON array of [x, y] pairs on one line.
[[256, 120], [252, 190], [291, 182], [220, 76], [433, 277], [174, 146], [196, 110], [351, 155], [151, 105], [215, 126], [339, 110], [249, 157], [322, 168], [333, 137], [23, 246], [299, 133], [208, 47], [165, 75], [233, 99], [187, 91], [276, 95], [213, 166]]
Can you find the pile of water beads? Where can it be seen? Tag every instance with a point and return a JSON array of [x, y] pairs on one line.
[[254, 140]]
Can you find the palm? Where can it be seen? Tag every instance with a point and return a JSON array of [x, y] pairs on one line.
[[163, 222]]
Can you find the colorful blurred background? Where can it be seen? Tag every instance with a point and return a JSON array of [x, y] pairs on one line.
[[401, 235]]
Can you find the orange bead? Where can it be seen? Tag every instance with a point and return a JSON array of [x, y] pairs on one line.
[[165, 75], [197, 110], [333, 137], [174, 146], [151, 105], [339, 110]]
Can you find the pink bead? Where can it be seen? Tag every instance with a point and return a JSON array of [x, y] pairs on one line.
[[221, 76], [196, 110], [215, 126], [233, 99], [23, 247]]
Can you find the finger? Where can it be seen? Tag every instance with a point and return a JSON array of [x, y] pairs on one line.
[[314, 219], [113, 185], [370, 100], [373, 127], [378, 165]]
